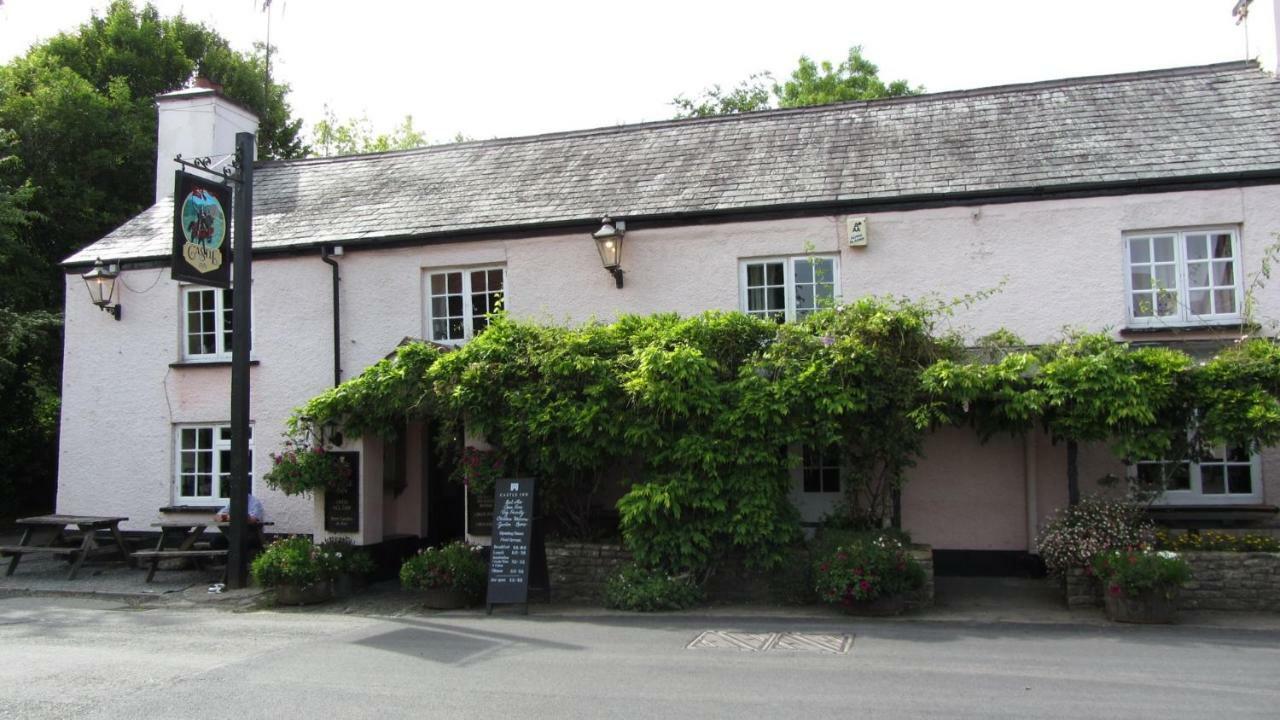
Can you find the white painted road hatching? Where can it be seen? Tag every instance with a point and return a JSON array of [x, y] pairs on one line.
[[63, 657]]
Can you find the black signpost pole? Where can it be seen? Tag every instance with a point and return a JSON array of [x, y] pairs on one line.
[[242, 278]]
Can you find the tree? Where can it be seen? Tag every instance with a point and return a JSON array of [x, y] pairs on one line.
[[331, 137], [77, 154], [811, 84]]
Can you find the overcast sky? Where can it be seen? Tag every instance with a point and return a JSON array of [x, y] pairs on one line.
[[498, 69]]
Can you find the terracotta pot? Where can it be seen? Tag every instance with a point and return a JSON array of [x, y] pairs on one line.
[[1151, 607], [316, 592], [444, 598], [882, 606]]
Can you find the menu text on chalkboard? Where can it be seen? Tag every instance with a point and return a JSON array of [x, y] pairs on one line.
[[513, 508], [342, 504]]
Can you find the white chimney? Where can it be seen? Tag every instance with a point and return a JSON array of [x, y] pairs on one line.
[[197, 122]]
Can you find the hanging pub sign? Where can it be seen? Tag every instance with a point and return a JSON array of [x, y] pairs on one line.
[[201, 231]]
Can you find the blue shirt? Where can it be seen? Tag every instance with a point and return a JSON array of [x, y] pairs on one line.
[[256, 514]]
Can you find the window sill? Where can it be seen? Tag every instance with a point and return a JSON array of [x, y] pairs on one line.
[[1233, 327], [207, 509], [205, 363], [1205, 516]]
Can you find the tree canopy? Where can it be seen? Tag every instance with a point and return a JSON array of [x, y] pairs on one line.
[[354, 136], [77, 154], [811, 83]]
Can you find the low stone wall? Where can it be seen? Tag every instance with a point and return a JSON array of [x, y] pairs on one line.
[[579, 571], [1232, 581], [924, 596], [1219, 581]]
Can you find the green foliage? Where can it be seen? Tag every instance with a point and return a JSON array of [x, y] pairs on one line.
[[849, 378], [811, 83], [353, 136], [1214, 541], [1237, 396], [291, 561], [379, 400], [342, 556], [1074, 535], [304, 468], [866, 567], [456, 565], [854, 79], [1132, 572], [644, 590]]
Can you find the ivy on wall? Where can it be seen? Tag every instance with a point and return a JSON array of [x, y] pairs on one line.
[[693, 417]]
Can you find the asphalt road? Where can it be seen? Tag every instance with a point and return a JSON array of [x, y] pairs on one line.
[[63, 657]]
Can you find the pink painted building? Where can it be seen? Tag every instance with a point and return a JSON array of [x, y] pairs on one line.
[[1075, 197]]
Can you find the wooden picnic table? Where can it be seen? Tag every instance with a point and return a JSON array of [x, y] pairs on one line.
[[178, 539], [48, 534]]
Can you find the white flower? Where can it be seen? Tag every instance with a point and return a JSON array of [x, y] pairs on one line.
[[1168, 554]]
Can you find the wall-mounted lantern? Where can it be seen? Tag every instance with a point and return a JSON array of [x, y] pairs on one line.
[[609, 242], [102, 287]]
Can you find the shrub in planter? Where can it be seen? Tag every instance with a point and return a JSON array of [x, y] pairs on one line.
[[295, 568], [1074, 535], [870, 572], [451, 576], [1141, 585], [346, 564], [645, 590]]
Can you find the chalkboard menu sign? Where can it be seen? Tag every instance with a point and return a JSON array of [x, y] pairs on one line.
[[479, 514], [342, 504], [512, 534]]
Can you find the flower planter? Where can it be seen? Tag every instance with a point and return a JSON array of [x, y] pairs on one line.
[[883, 606], [1150, 608], [316, 592], [444, 598]]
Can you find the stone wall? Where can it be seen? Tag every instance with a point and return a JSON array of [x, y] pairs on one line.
[[923, 598], [1219, 581], [578, 571], [1232, 581]]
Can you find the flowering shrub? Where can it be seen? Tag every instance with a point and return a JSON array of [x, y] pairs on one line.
[[478, 470], [301, 469], [1129, 573], [456, 565], [866, 567], [1074, 535], [1213, 541], [341, 556], [290, 561], [636, 588]]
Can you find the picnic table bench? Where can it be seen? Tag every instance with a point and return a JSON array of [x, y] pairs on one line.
[[47, 534], [185, 533]]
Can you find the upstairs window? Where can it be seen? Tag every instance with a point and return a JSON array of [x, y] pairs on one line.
[[459, 302], [206, 323], [821, 471], [788, 289], [1183, 277]]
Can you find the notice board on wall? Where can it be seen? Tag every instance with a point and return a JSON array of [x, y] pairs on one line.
[[517, 551], [342, 503]]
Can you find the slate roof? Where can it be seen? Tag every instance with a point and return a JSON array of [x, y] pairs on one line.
[[1127, 129]]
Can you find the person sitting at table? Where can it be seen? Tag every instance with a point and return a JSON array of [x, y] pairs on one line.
[[256, 514]]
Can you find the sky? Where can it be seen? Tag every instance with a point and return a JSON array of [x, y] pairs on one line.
[[497, 69]]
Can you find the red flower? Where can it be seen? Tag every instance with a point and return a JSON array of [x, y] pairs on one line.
[[823, 567], [1115, 591], [864, 585]]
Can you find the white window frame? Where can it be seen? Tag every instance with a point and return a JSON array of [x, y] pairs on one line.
[[468, 317], [1195, 495], [1184, 317], [219, 444], [221, 349], [789, 283]]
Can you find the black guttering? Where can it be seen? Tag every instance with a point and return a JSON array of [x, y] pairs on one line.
[[767, 212], [326, 255]]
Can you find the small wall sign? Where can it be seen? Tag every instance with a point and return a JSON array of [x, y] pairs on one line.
[[857, 231], [342, 504], [201, 231]]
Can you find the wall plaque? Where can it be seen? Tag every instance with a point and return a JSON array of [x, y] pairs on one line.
[[342, 504]]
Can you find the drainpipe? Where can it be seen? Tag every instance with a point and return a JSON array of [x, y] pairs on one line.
[[1029, 475], [327, 253]]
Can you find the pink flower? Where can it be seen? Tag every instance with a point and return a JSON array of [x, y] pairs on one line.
[[864, 585]]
